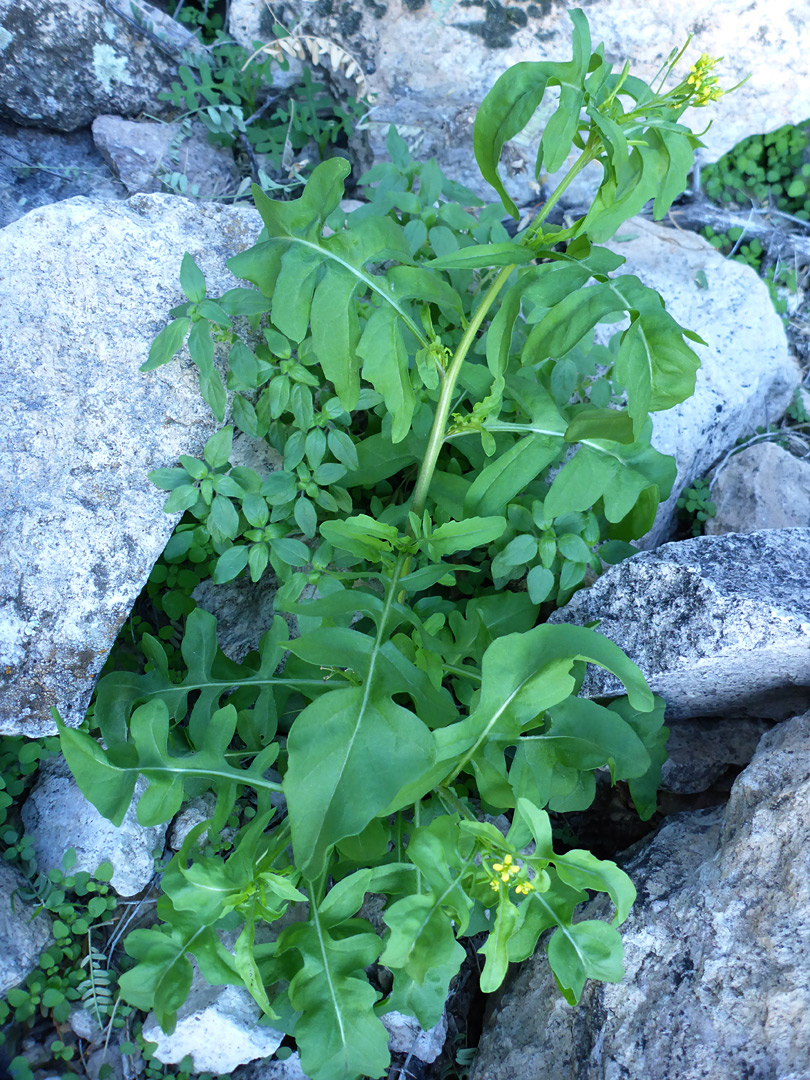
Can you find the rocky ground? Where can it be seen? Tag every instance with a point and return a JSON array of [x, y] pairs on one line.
[[717, 947]]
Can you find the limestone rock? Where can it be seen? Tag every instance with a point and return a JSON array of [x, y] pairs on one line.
[[717, 950], [700, 751], [432, 63], [24, 935], [63, 62], [747, 375], [57, 816], [218, 1026], [719, 625], [763, 487], [84, 288], [39, 167], [139, 151]]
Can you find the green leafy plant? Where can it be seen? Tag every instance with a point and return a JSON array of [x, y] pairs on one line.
[[695, 505], [453, 451], [70, 971], [231, 94], [768, 169]]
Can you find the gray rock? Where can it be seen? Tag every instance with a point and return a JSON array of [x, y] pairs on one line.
[[84, 288], [109, 1056], [63, 62], [139, 152], [763, 487], [431, 64], [406, 1036], [719, 625], [747, 375], [193, 812], [218, 1027], [700, 751], [243, 611], [24, 934], [57, 816], [273, 1069], [84, 1023], [717, 950], [39, 167]]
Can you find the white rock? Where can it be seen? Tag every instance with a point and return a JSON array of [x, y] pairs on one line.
[[139, 151], [717, 950], [57, 817], [84, 288], [406, 1036], [24, 933], [718, 624], [747, 375], [763, 487], [218, 1027], [63, 62], [431, 64]]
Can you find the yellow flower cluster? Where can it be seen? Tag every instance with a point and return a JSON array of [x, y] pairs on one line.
[[507, 870], [706, 85]]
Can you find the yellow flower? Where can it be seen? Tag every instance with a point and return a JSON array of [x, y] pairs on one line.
[[705, 85], [524, 887]]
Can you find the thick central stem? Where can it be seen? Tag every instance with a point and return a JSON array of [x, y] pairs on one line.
[[437, 432]]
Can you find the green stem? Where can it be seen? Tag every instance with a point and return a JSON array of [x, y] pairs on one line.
[[589, 154], [437, 432]]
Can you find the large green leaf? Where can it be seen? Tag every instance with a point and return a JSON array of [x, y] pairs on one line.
[[148, 754], [210, 676], [615, 472], [513, 100], [349, 753], [338, 1035], [317, 279], [525, 674], [385, 366]]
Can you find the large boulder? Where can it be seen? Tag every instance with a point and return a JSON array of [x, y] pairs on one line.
[[432, 63], [717, 950], [719, 625], [63, 62], [747, 375], [57, 816], [84, 288]]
